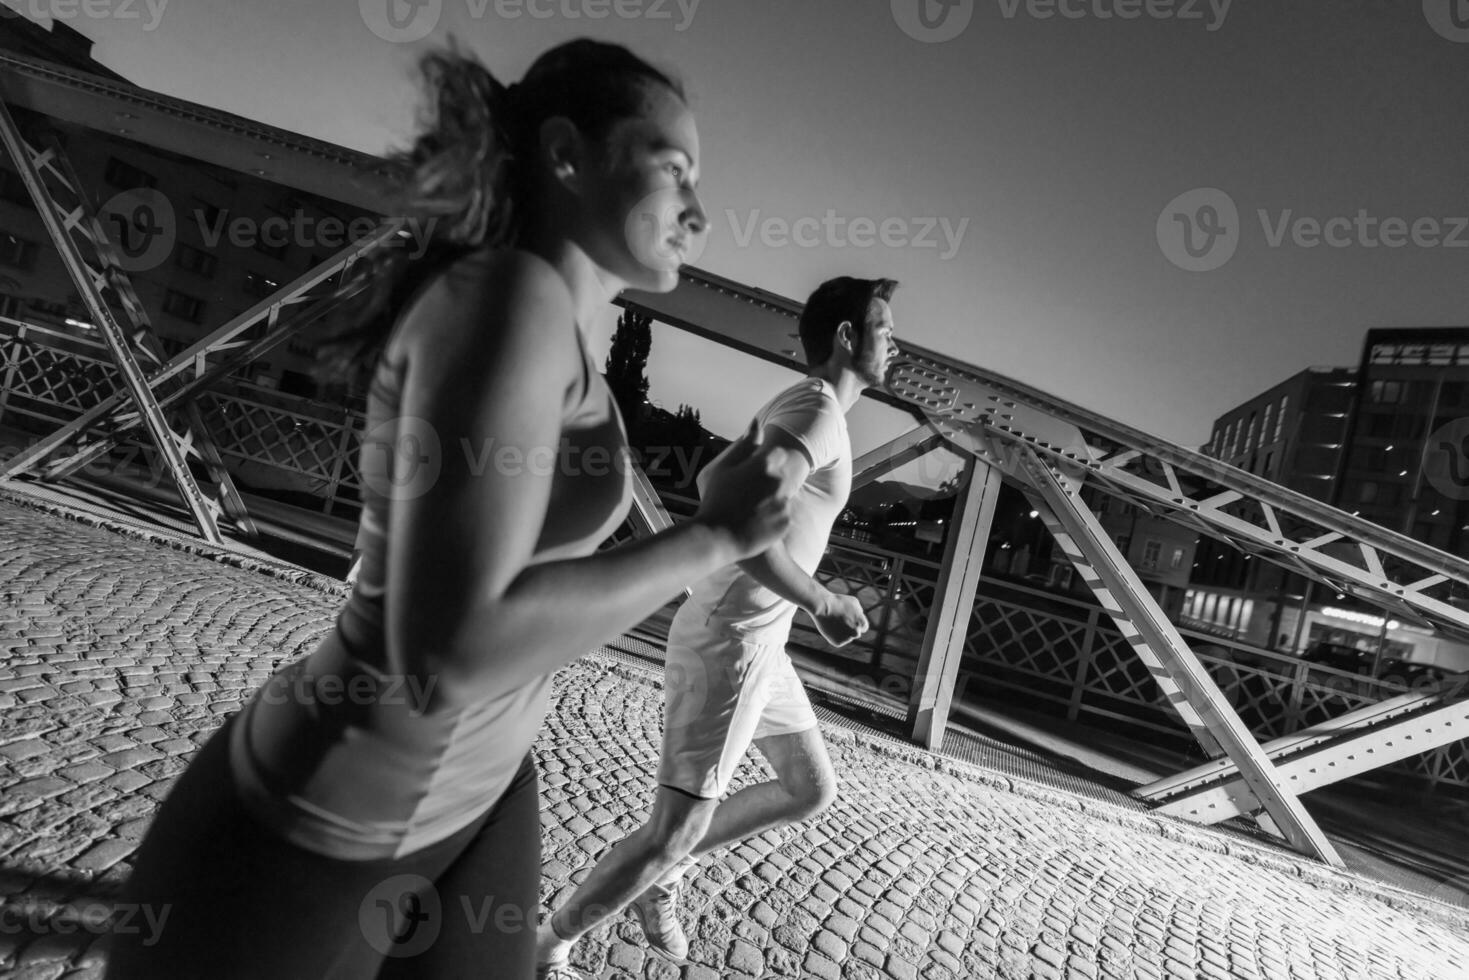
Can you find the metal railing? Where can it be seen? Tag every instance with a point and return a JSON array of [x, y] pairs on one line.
[[1058, 652], [271, 441]]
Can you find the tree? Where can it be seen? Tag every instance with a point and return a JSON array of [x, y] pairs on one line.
[[627, 365]]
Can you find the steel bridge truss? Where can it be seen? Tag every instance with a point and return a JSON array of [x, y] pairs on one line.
[[1052, 449], [1005, 429], [152, 383]]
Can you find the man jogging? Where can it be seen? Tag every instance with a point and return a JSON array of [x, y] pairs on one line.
[[728, 679]]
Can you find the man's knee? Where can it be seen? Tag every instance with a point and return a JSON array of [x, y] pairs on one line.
[[673, 833], [814, 794]]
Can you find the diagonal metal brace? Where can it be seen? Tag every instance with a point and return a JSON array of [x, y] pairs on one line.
[[1118, 587]]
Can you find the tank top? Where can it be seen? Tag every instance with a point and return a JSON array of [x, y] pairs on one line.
[[338, 756]]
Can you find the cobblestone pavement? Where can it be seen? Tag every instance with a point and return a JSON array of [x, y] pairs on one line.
[[121, 656]]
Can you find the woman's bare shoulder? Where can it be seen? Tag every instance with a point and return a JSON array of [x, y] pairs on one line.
[[488, 302]]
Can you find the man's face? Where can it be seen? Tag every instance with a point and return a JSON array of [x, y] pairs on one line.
[[875, 346]]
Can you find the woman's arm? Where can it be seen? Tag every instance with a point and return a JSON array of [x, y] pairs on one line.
[[464, 603]]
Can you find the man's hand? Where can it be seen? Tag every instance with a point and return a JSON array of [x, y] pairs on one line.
[[840, 619]]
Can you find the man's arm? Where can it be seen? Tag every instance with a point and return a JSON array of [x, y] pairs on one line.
[[838, 617]]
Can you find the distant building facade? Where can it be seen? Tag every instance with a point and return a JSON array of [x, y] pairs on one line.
[[1388, 441], [218, 267]]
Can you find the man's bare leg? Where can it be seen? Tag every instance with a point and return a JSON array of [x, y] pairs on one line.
[[624, 872], [804, 785]]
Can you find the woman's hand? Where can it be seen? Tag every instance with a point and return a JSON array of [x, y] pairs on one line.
[[746, 493]]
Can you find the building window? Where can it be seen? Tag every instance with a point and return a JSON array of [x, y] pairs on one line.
[[1177, 560], [1387, 392], [1380, 426], [183, 306], [260, 286], [1152, 551], [1280, 418], [1250, 438], [1123, 541], [127, 176], [1265, 427], [195, 260], [17, 252]]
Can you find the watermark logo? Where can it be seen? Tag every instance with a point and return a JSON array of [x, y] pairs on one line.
[[932, 21], [1212, 12], [405, 21], [98, 918], [402, 458], [834, 230], [65, 10], [405, 914], [656, 233], [401, 21], [1199, 229], [1446, 459], [142, 227], [1449, 18], [401, 916]]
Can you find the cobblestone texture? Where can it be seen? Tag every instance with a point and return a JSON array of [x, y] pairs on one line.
[[121, 656]]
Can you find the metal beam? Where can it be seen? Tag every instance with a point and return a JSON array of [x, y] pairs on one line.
[[1183, 679], [196, 356], [110, 272], [197, 132], [894, 453], [1326, 761], [113, 335], [953, 604]]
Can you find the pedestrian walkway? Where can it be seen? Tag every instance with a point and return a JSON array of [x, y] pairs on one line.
[[122, 654]]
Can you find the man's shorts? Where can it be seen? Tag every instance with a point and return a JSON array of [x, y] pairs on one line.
[[720, 693]]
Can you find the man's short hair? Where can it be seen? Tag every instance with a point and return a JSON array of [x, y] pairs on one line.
[[836, 300]]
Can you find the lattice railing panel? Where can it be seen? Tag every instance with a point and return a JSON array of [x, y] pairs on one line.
[[1025, 640], [57, 378]]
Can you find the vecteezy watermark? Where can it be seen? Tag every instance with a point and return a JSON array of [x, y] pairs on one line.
[[295, 686], [143, 228], [404, 915], [118, 918], [1200, 230], [303, 230], [833, 230], [936, 21], [64, 10], [932, 21], [1449, 18], [404, 458], [1446, 459], [406, 21], [128, 461], [1212, 12]]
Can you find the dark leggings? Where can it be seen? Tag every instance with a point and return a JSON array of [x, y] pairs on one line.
[[242, 903]]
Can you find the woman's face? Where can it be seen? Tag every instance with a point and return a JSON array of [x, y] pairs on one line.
[[644, 219]]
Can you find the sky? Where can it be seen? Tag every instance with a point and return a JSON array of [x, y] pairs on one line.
[[1117, 209]]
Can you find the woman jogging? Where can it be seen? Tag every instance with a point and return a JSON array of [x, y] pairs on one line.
[[372, 812]]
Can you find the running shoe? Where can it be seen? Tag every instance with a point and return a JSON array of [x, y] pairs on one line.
[[558, 971], [657, 912]]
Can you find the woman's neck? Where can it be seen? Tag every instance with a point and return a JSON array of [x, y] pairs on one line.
[[591, 287]]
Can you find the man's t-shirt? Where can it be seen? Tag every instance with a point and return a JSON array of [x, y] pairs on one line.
[[734, 601]]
